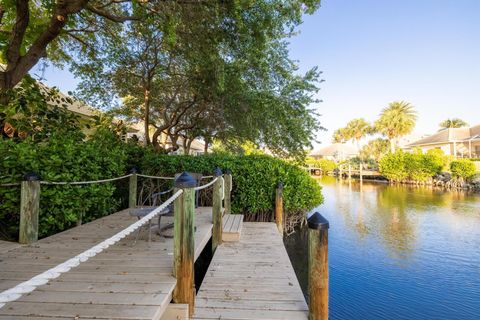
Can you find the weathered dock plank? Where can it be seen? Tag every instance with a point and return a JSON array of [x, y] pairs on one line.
[[6, 246], [251, 279], [127, 281]]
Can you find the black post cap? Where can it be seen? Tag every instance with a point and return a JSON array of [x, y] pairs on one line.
[[217, 172], [134, 170], [318, 222], [227, 171], [279, 185], [31, 176], [185, 180]]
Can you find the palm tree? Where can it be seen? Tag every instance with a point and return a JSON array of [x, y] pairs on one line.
[[341, 135], [453, 123], [396, 120], [358, 128]]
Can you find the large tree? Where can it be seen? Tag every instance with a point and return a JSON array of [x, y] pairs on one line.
[[396, 120], [220, 71]]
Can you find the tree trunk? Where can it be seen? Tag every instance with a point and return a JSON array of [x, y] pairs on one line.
[[205, 148], [392, 145], [147, 116], [189, 145]]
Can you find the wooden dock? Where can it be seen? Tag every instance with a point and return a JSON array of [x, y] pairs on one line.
[[251, 279], [250, 275], [127, 281]]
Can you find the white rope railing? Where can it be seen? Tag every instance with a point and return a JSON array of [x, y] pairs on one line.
[[84, 182], [206, 185], [14, 184], [43, 278], [73, 183], [155, 177]]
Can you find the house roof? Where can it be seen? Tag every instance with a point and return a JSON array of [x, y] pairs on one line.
[[449, 135], [335, 149]]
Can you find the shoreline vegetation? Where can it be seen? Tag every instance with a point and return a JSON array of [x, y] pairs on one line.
[[430, 169]]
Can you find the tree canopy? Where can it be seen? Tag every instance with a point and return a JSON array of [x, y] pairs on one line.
[[453, 123], [355, 130], [396, 120], [187, 69]]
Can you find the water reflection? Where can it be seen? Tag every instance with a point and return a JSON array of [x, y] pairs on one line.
[[395, 249]]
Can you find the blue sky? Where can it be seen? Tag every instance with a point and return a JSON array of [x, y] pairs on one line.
[[373, 52]]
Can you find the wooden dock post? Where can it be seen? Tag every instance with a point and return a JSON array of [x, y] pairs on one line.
[[228, 191], [217, 211], [318, 267], [132, 193], [279, 219], [349, 171], [184, 241], [29, 208], [361, 172]]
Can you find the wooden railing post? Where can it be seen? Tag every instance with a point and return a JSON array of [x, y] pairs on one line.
[[228, 191], [217, 211], [279, 219], [318, 267], [29, 208], [132, 193], [184, 241]]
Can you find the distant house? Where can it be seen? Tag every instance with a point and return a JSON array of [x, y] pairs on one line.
[[336, 152], [457, 142]]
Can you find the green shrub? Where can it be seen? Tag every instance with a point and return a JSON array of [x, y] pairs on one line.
[[392, 166], [401, 166], [62, 158], [462, 168], [254, 180]]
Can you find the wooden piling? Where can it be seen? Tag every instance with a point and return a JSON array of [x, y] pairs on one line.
[[361, 172], [279, 219], [318, 267], [184, 241], [132, 193], [29, 208], [227, 202], [217, 211]]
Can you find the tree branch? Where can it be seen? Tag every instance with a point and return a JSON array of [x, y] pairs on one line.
[[108, 15], [21, 24]]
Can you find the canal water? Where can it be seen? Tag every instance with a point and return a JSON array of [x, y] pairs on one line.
[[398, 252]]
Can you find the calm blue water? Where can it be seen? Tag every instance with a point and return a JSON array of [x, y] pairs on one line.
[[398, 252]]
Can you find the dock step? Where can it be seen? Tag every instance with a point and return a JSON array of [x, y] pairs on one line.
[[232, 227]]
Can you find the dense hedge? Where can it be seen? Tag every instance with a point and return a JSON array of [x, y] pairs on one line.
[[65, 158], [62, 158], [412, 167], [462, 168], [254, 180]]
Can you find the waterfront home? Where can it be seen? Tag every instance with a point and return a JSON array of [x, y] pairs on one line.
[[458, 142], [336, 152]]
